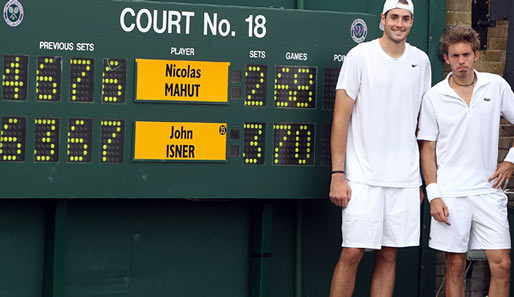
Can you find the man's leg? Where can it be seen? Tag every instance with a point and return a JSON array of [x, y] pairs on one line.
[[382, 283], [499, 264], [455, 269], [343, 280]]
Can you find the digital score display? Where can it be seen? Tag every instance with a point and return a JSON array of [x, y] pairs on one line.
[[12, 139], [46, 144], [14, 77], [208, 99], [114, 80], [293, 144], [82, 74], [48, 78], [80, 133], [256, 77], [329, 88], [254, 143], [112, 141], [295, 87], [326, 157]]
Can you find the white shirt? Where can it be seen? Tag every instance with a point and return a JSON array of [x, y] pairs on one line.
[[382, 149], [467, 137]]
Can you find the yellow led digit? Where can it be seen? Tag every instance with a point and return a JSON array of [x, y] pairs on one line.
[[112, 141], [295, 87], [254, 143], [14, 77], [79, 140], [114, 79], [255, 85], [82, 73], [12, 139], [46, 142], [48, 78], [293, 144]]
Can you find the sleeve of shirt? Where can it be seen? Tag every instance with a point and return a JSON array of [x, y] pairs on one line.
[[427, 79], [428, 128], [507, 107], [351, 73]]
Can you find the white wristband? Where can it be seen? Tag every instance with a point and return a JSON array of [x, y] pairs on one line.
[[433, 192], [510, 155]]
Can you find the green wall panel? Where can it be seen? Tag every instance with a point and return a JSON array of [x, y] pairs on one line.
[[22, 232], [156, 248], [98, 248]]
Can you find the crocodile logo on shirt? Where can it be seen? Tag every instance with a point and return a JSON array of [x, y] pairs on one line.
[[487, 99]]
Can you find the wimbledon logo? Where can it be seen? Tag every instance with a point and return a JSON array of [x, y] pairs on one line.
[[13, 13], [359, 30]]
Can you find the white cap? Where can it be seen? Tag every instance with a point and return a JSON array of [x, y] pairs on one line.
[[392, 4]]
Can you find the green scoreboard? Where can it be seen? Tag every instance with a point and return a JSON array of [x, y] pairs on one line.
[[113, 99]]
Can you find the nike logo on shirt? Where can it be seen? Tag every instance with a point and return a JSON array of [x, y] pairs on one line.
[[414, 65]]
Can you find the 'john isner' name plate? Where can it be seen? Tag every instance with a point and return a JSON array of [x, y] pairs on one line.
[[161, 141]]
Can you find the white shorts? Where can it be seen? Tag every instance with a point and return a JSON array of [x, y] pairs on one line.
[[477, 223], [381, 216]]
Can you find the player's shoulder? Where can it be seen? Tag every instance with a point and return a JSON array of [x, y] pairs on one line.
[[437, 90], [359, 52], [417, 52], [492, 79], [361, 47]]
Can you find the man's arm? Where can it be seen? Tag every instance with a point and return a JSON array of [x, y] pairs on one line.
[[506, 168], [340, 191], [504, 171], [438, 208]]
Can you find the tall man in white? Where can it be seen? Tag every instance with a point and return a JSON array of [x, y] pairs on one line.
[[459, 125], [375, 158]]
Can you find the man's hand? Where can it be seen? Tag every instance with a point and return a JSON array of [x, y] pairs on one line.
[[340, 191], [502, 175], [439, 211]]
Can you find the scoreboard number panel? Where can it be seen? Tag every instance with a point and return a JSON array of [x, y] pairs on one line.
[[112, 141], [82, 74], [14, 77], [254, 143], [46, 142], [256, 77], [295, 87], [48, 78], [293, 144], [114, 80], [80, 132], [329, 87], [12, 138], [326, 155]]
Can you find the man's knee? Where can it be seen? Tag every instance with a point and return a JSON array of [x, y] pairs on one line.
[[351, 256], [500, 266], [386, 255], [455, 265]]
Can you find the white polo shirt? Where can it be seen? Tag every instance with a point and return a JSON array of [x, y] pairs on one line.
[[467, 137], [381, 148]]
